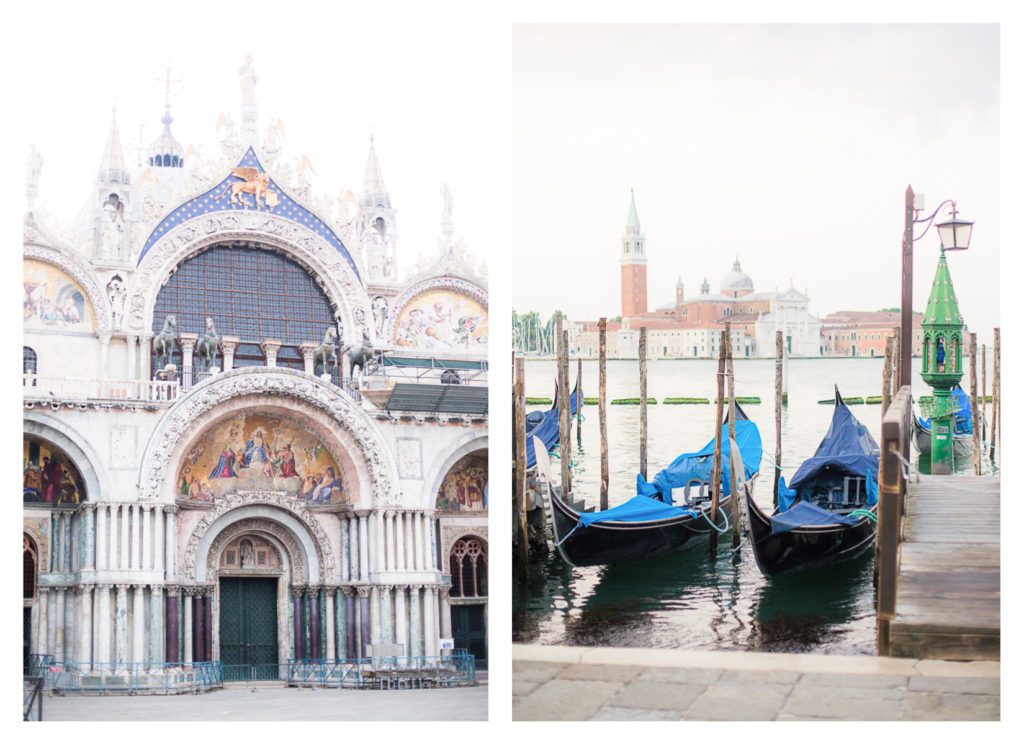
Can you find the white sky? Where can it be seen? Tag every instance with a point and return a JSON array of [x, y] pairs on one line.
[[421, 92], [790, 146]]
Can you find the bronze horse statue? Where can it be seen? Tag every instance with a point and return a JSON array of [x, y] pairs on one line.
[[163, 343], [359, 356], [206, 347], [327, 350]]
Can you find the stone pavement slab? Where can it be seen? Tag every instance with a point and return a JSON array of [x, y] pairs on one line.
[[277, 704], [647, 684]]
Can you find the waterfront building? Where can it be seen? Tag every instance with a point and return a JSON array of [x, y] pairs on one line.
[[246, 437], [850, 333]]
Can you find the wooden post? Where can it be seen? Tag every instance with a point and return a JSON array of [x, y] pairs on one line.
[[778, 415], [716, 473], [785, 374], [907, 295], [983, 381], [579, 401], [997, 396], [887, 377], [895, 430], [519, 478], [602, 404], [976, 422], [564, 427], [896, 365], [643, 402], [734, 501]]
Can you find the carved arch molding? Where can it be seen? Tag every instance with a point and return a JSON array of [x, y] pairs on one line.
[[215, 391], [330, 269], [293, 507]]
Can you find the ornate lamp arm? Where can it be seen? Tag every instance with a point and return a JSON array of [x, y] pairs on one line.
[[931, 217]]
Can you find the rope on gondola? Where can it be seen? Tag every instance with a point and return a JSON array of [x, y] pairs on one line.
[[742, 544], [711, 522], [766, 457], [865, 513], [569, 534]]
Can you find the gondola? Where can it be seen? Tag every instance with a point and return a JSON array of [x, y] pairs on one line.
[[651, 524], [546, 427], [827, 514], [963, 430]]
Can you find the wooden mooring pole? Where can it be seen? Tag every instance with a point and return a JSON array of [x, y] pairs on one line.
[[997, 397], [643, 401], [602, 408], [976, 422], [778, 416], [734, 501], [564, 412], [887, 377], [716, 473], [519, 467], [896, 365], [983, 381], [579, 401]]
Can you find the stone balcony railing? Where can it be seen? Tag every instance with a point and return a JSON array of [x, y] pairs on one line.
[[37, 388]]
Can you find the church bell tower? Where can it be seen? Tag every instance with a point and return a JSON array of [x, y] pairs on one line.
[[634, 265]]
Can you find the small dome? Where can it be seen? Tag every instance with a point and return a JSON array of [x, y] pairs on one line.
[[736, 280], [165, 150]]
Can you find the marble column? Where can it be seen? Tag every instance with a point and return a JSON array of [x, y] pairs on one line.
[[125, 521], [101, 536], [71, 620], [425, 540], [158, 538], [121, 627], [51, 622], [446, 613], [171, 542], [58, 625], [329, 593], [103, 627], [300, 639], [186, 624], [364, 551], [432, 551], [138, 625], [104, 352], [313, 606], [401, 620], [353, 543], [351, 651], [415, 622], [389, 541], [364, 619], [430, 632], [417, 541], [208, 623], [386, 626], [344, 549], [171, 625], [89, 548], [375, 622], [188, 346], [198, 627], [145, 356], [42, 619], [400, 562], [156, 623], [228, 344], [65, 540], [379, 561], [308, 349], [147, 538], [83, 654], [270, 349]]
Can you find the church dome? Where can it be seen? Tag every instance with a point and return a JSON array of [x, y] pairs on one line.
[[165, 150], [736, 281]]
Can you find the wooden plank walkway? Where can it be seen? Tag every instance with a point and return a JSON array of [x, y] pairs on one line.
[[947, 591]]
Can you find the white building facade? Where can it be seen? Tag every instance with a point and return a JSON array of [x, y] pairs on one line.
[[246, 439]]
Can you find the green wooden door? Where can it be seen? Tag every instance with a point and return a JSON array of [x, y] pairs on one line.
[[469, 632], [248, 628]]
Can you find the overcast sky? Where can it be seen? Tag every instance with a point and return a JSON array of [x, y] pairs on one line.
[[421, 92], [789, 146]]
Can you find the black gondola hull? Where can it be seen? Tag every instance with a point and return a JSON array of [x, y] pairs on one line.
[[615, 542], [962, 444], [804, 547]]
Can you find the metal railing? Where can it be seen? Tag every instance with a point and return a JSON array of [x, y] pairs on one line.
[[254, 673], [455, 669], [410, 367], [133, 677], [65, 389], [37, 663], [893, 471]]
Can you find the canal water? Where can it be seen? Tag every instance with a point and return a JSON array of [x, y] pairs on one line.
[[692, 600]]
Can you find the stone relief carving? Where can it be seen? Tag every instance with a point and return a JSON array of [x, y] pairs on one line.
[[296, 561]]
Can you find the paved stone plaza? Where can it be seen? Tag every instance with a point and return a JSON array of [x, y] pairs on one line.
[[583, 683], [277, 704]]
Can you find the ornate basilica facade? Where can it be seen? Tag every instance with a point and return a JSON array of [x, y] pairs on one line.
[[246, 438]]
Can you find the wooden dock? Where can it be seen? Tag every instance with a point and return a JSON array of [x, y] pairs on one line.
[[947, 589]]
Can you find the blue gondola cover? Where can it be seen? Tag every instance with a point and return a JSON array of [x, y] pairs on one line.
[[698, 465], [848, 448], [637, 509], [803, 514], [547, 430], [961, 417]]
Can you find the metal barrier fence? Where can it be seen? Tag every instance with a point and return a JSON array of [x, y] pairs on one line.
[[133, 677], [456, 669], [254, 672], [32, 709], [37, 663]]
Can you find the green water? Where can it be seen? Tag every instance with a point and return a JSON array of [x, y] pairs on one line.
[[691, 600]]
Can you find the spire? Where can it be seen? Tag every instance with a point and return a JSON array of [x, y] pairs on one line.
[[632, 221], [942, 309], [165, 150], [375, 194], [113, 155], [679, 282]]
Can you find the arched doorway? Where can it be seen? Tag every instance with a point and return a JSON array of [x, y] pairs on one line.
[[467, 561], [30, 566]]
